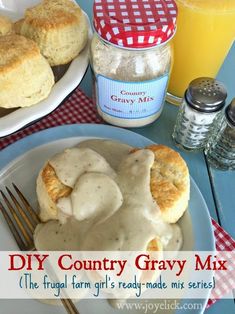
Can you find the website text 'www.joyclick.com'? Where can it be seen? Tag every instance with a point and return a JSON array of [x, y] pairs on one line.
[[147, 307]]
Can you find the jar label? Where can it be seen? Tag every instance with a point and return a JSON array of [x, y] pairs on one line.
[[131, 100]]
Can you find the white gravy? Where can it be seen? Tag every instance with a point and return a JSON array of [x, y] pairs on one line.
[[111, 206], [73, 162]]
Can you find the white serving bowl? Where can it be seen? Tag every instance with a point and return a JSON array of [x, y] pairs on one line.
[[13, 121]]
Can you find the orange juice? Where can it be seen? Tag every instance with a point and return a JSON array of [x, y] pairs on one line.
[[205, 33]]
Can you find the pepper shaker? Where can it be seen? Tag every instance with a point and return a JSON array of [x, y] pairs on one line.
[[220, 149], [204, 99]]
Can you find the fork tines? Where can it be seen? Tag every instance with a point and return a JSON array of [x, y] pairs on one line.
[[22, 220]]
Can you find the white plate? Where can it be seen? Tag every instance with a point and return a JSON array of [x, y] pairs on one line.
[[21, 162], [71, 79]]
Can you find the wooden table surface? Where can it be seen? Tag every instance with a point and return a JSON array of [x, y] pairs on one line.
[[217, 187]]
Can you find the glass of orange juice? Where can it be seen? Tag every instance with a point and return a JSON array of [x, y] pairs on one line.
[[205, 34]]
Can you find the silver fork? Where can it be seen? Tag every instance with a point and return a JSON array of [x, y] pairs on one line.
[[22, 221]]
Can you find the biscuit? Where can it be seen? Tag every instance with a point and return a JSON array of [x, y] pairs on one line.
[[154, 245], [59, 27], [155, 250], [170, 182], [25, 75], [17, 26], [49, 190], [6, 26]]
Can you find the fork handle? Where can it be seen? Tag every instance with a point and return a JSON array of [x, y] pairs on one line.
[[69, 306]]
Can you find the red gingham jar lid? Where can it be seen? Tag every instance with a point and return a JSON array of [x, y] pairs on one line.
[[135, 23]]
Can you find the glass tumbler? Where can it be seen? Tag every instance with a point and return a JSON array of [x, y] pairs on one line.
[[205, 34]]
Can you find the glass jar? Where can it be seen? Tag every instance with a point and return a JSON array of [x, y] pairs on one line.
[[204, 99], [131, 59], [220, 149]]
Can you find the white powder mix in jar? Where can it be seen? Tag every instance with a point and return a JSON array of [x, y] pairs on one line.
[[128, 65]]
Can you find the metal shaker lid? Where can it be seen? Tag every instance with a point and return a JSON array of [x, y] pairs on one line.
[[230, 112], [206, 95]]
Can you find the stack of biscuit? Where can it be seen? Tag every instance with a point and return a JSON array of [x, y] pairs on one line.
[[51, 33]]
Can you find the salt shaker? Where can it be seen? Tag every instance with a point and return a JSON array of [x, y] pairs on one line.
[[220, 149], [203, 101]]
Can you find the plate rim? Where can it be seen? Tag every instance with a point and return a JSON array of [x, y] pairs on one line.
[[43, 137]]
